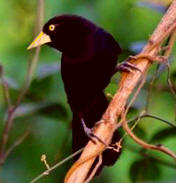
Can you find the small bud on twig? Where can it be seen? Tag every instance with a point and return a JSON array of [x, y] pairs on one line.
[[43, 159]]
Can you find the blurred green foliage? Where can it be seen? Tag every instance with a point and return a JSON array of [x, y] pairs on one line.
[[45, 110]]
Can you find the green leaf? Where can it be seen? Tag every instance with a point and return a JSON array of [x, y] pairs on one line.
[[144, 170], [140, 132], [51, 110], [163, 134]]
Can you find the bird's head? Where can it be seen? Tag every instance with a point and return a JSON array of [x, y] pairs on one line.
[[66, 33]]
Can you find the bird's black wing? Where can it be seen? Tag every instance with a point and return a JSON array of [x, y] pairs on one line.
[[106, 43], [105, 58]]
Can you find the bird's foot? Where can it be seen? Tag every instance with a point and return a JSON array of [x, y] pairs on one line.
[[90, 134], [126, 67]]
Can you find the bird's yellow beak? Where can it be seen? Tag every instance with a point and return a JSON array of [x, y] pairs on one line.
[[41, 39]]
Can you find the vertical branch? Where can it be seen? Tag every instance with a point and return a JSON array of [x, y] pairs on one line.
[[17, 142], [5, 88], [31, 69], [151, 83], [33, 62], [167, 53]]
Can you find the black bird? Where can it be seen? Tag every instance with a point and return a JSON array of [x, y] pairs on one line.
[[89, 58]]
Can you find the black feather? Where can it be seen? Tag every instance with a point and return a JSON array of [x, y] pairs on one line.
[[88, 62]]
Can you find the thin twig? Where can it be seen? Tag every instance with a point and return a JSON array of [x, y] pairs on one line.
[[44, 160], [170, 44], [95, 169], [145, 115], [151, 87], [146, 145], [151, 156], [5, 90], [5, 134], [33, 62], [136, 120], [172, 88], [167, 54], [17, 142], [136, 93], [56, 166], [134, 137], [11, 111]]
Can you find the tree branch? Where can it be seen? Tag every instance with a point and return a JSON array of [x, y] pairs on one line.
[[136, 119], [116, 108], [11, 109]]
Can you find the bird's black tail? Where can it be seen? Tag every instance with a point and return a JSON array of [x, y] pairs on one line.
[[93, 114]]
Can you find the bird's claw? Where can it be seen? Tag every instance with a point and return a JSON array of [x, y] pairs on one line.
[[90, 133], [126, 67]]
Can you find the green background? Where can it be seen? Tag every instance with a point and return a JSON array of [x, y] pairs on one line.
[[45, 110]]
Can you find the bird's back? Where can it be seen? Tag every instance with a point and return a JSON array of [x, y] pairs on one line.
[[83, 80]]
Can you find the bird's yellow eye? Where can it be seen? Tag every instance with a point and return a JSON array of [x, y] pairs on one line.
[[51, 27]]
